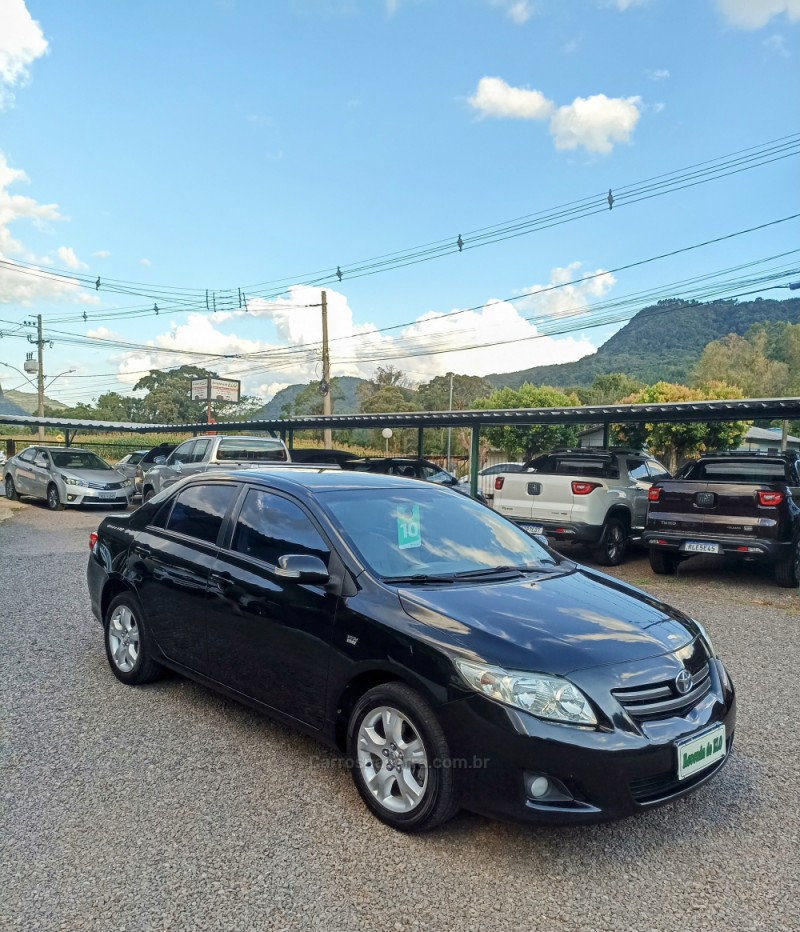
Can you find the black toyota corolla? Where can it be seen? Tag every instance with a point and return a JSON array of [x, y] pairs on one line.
[[453, 659]]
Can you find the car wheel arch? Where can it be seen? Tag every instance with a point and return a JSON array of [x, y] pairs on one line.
[[621, 513], [114, 587]]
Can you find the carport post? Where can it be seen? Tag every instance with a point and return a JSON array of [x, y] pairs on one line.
[[290, 435], [473, 460], [67, 438], [419, 442], [606, 426]]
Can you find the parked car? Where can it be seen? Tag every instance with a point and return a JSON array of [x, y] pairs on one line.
[[127, 465], [322, 457], [743, 505], [205, 453], [494, 470], [148, 461], [66, 476], [500, 677], [589, 496], [410, 468], [2, 457]]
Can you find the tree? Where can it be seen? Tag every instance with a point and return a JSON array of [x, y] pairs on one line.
[[467, 389], [169, 399], [674, 443], [745, 361], [527, 440], [609, 389], [392, 398]]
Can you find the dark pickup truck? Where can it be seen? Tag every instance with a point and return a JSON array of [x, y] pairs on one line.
[[738, 504]]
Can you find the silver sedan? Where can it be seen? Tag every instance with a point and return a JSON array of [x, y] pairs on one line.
[[66, 476]]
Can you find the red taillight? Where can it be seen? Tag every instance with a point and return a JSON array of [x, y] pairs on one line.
[[498, 483], [654, 495], [584, 488], [770, 499], [92, 540]]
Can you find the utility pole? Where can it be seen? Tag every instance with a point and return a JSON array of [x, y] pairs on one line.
[[326, 373], [450, 429], [40, 375]]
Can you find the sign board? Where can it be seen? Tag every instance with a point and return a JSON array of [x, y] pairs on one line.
[[216, 389]]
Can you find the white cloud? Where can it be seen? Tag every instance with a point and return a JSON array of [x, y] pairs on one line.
[[595, 123], [66, 255], [101, 254], [658, 74], [753, 14], [21, 43], [518, 11], [145, 262], [623, 5], [357, 349], [777, 45], [494, 97]]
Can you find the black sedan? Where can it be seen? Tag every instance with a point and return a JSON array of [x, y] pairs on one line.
[[454, 660]]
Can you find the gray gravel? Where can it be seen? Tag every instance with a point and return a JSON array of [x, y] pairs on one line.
[[168, 807]]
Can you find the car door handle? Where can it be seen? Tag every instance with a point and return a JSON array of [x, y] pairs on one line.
[[222, 581]]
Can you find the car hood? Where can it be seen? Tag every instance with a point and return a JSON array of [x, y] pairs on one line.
[[556, 623]]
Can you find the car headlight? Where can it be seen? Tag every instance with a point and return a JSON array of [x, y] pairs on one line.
[[707, 639], [549, 697], [126, 483], [71, 480]]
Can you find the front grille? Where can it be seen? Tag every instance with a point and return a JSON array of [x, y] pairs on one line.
[[105, 486], [662, 700], [663, 785]]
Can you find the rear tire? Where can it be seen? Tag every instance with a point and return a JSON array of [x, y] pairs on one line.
[[148, 493], [400, 758], [54, 502], [663, 562], [11, 489], [611, 550], [127, 644], [787, 574]]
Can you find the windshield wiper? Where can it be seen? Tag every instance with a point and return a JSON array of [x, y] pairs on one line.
[[419, 578]]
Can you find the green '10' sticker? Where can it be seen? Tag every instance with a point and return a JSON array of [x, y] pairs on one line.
[[409, 532]]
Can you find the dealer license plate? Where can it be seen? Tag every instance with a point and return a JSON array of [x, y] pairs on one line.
[[695, 754], [532, 528], [699, 546]]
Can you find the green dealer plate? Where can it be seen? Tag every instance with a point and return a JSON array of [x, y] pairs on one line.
[[701, 751]]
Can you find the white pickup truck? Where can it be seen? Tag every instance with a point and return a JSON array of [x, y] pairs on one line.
[[204, 453], [594, 497]]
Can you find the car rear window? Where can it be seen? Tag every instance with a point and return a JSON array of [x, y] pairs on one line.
[[739, 472], [255, 448], [597, 466]]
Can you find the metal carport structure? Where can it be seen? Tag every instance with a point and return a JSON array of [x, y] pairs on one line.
[[669, 412]]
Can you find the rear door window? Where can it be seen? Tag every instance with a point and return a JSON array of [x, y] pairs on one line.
[[637, 470], [657, 470], [182, 454], [200, 510], [199, 451]]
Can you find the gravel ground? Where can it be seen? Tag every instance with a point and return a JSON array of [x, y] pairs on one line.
[[169, 807]]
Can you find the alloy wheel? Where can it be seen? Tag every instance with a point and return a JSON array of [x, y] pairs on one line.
[[392, 759], [123, 639], [615, 542]]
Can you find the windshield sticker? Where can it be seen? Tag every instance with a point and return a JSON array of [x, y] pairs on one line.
[[409, 532]]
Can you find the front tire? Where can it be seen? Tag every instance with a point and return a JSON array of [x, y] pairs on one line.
[[53, 498], [127, 647], [611, 549], [401, 760], [148, 493], [11, 489], [787, 573], [663, 562]]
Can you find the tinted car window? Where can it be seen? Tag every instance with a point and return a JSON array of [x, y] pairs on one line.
[[575, 466], [198, 511], [27, 456], [739, 472], [199, 451], [182, 454], [269, 527], [658, 470], [251, 448], [637, 470]]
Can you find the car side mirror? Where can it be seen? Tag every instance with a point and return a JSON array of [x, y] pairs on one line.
[[159, 460], [41, 462], [302, 568]]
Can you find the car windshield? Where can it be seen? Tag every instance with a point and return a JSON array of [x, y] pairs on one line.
[[78, 459], [423, 532]]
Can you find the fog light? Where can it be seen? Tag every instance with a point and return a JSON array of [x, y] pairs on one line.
[[70, 498], [539, 787]]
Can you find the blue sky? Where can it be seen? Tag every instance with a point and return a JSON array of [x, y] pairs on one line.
[[226, 144]]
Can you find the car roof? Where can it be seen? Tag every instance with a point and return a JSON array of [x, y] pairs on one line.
[[320, 479]]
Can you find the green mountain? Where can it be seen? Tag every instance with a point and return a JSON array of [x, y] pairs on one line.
[[28, 401], [662, 342], [345, 397]]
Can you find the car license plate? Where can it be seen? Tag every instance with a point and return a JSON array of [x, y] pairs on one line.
[[695, 754], [532, 528], [108, 494], [699, 546]]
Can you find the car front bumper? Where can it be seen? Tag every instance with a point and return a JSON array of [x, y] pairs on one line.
[[79, 495], [608, 773]]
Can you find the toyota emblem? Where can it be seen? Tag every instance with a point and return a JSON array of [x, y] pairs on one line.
[[683, 682]]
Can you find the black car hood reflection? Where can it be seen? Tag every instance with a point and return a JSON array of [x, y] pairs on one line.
[[550, 622]]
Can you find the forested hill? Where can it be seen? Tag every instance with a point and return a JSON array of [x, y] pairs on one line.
[[662, 342]]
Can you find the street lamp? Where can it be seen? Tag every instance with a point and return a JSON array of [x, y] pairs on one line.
[[386, 433], [9, 366], [65, 372]]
